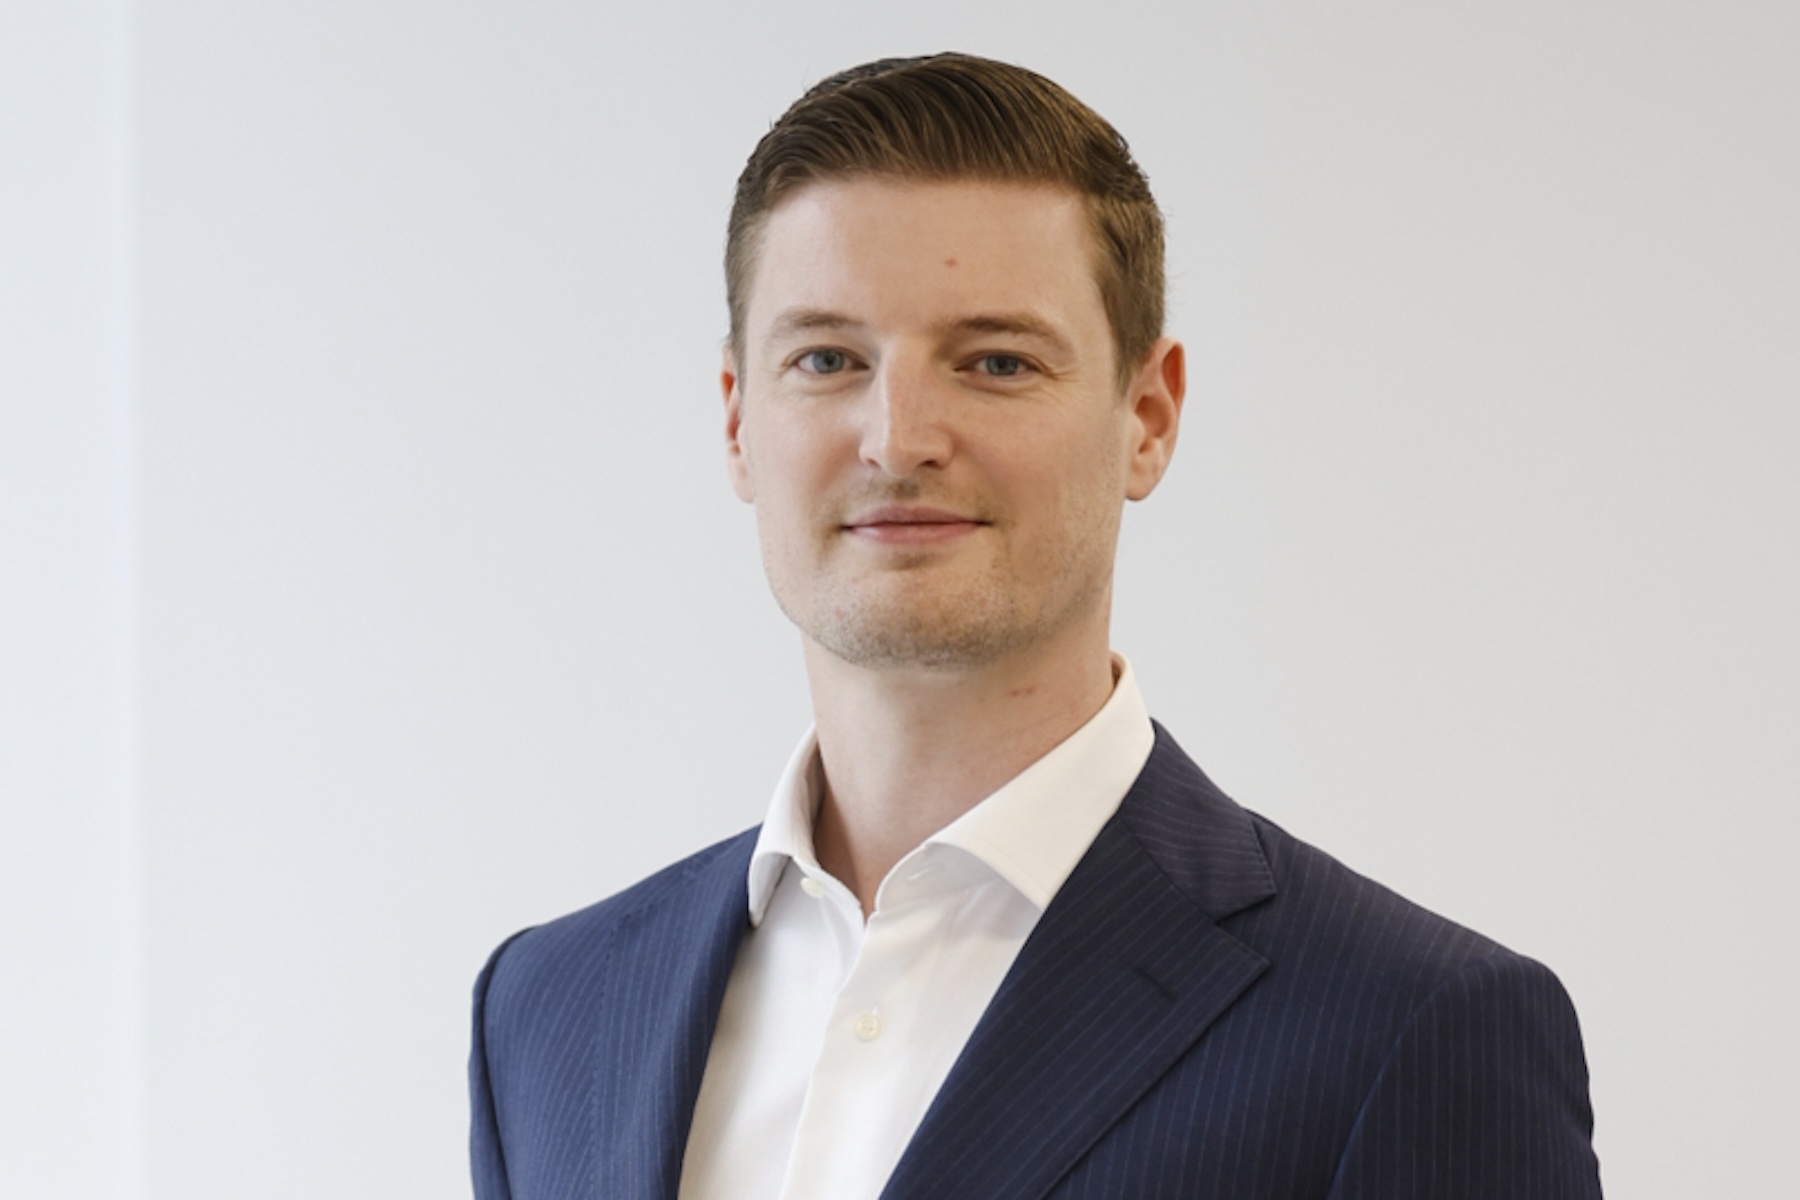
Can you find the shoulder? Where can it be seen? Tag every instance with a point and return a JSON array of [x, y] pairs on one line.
[[1464, 1058], [595, 987], [1408, 960], [1320, 902], [1450, 1049], [1335, 940], [567, 955]]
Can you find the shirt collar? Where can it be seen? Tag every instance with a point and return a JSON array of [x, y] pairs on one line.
[[1030, 832], [786, 834]]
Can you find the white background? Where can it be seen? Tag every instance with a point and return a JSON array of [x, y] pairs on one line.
[[370, 586]]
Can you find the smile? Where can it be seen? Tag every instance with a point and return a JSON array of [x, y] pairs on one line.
[[910, 525]]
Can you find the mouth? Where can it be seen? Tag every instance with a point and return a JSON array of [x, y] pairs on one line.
[[910, 524]]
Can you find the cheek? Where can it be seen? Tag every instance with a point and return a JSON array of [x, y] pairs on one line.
[[1092, 474], [1093, 496], [789, 473]]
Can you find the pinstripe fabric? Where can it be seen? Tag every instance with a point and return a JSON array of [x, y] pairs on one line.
[[591, 1035], [1209, 1008]]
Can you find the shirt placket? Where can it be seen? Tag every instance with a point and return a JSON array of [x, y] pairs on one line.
[[845, 1133]]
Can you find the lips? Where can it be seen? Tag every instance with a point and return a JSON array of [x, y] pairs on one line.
[[911, 524]]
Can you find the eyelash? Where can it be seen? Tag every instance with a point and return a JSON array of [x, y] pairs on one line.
[[801, 360], [1022, 365]]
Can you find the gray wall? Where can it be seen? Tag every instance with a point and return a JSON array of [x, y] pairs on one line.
[[369, 585]]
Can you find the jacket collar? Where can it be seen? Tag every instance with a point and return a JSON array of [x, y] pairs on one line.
[[1124, 973], [668, 964]]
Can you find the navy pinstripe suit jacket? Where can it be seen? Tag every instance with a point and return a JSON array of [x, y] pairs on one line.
[[1209, 1008]]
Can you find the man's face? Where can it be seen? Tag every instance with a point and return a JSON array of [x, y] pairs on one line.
[[929, 422]]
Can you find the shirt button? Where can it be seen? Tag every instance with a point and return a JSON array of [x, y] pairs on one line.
[[811, 886], [868, 1027]]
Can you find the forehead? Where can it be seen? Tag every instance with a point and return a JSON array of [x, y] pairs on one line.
[[890, 249]]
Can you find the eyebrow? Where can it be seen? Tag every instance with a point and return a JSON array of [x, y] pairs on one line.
[[1017, 324], [808, 320]]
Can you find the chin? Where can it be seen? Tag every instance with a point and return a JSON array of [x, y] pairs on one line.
[[891, 653], [936, 636]]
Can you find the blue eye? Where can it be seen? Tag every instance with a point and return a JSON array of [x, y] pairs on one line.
[[824, 362], [1003, 364]]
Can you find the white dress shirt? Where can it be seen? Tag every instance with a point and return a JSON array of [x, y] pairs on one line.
[[835, 1034]]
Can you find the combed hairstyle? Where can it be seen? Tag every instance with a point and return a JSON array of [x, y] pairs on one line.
[[955, 116]]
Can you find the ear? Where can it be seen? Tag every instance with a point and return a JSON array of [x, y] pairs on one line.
[[1157, 391], [737, 464]]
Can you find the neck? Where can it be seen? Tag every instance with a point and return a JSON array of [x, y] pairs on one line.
[[906, 751]]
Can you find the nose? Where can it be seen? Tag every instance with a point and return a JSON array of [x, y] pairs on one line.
[[906, 423]]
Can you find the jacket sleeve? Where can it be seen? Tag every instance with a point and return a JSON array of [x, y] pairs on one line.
[[1483, 1097], [487, 1157]]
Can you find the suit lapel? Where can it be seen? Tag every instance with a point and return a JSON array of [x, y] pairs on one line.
[[668, 967], [1122, 975]]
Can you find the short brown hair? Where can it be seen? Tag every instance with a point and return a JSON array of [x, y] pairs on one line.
[[955, 116]]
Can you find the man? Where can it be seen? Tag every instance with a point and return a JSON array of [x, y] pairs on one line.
[[998, 936]]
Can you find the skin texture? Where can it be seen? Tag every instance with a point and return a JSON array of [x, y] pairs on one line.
[[929, 425]]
